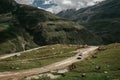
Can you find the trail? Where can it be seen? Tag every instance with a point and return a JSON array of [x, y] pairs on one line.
[[18, 53], [58, 65]]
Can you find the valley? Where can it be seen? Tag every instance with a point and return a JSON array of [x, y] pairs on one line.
[[75, 44], [54, 66], [103, 65], [25, 27]]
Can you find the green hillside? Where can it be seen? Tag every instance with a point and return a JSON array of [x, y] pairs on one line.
[[38, 58], [103, 19], [104, 65], [24, 27], [107, 29], [107, 9]]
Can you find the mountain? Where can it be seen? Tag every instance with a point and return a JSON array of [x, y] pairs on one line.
[[105, 9], [24, 27], [102, 19]]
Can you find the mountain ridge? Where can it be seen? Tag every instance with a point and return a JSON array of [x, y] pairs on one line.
[[102, 19], [24, 27]]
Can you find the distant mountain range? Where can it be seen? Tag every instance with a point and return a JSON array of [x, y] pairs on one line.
[[102, 19]]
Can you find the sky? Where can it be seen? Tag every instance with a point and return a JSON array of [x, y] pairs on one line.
[[63, 4]]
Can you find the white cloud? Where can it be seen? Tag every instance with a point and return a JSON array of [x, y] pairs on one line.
[[47, 1], [64, 4], [68, 4], [28, 2]]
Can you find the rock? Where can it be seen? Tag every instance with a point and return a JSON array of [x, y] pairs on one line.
[[83, 75], [53, 48], [12, 67], [94, 56], [105, 72], [18, 55], [101, 48], [97, 67], [93, 63], [17, 68]]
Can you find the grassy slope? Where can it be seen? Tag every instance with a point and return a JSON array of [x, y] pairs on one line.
[[38, 58], [106, 29], [107, 59], [25, 27], [101, 19], [12, 36]]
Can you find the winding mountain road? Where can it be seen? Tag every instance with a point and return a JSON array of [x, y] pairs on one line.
[[58, 65]]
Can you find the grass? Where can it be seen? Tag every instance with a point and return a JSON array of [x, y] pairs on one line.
[[38, 58], [106, 28], [107, 60], [30, 27], [3, 27]]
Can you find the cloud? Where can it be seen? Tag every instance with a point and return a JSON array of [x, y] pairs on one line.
[[64, 4], [28, 2], [68, 4]]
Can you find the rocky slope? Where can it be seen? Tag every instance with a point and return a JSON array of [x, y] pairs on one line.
[[24, 27], [103, 19]]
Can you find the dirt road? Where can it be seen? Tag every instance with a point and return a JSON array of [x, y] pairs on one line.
[[18, 53], [58, 65]]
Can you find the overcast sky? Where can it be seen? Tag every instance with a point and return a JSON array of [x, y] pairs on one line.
[[64, 4]]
